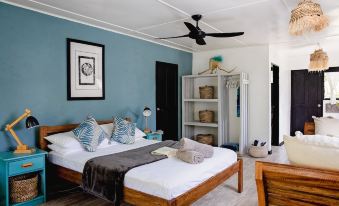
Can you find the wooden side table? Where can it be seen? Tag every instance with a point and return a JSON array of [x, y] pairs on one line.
[[12, 165]]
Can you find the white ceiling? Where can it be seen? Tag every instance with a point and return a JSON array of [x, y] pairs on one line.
[[263, 21]]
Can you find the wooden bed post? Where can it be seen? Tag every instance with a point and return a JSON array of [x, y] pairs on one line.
[[260, 183], [240, 176]]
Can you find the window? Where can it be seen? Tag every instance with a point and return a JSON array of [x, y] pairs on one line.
[[331, 81]]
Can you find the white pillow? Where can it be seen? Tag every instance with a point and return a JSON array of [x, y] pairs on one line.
[[62, 150], [139, 134], [326, 126], [64, 139], [67, 140], [319, 140], [108, 128]]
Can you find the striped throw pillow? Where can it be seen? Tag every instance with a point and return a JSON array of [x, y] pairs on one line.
[[123, 131], [90, 134]]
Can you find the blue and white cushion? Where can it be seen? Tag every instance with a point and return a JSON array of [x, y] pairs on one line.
[[90, 134], [123, 131]]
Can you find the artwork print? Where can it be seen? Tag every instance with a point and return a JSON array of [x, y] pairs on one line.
[[86, 71], [86, 77]]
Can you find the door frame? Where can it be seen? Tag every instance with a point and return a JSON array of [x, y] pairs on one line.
[[278, 103], [176, 94]]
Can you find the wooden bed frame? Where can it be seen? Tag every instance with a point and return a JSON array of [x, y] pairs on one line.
[[281, 184], [139, 198]]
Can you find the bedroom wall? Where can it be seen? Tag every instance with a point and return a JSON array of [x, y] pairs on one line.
[[254, 61], [294, 58], [33, 72]]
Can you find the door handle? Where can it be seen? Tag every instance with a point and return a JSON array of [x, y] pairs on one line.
[[30, 164], [158, 109], [319, 105]]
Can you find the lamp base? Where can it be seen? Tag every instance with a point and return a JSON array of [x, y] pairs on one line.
[[24, 149]]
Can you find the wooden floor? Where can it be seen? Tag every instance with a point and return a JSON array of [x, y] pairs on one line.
[[225, 194]]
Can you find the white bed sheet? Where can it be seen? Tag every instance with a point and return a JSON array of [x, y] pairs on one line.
[[166, 178]]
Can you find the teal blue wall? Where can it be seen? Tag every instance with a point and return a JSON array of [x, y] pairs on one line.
[[33, 71]]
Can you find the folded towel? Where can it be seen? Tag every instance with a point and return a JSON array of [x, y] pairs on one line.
[[186, 144], [168, 151], [191, 157]]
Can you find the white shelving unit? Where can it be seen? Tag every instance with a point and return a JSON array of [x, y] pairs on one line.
[[220, 128]]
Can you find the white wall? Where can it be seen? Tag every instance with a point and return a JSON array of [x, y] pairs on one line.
[[255, 62], [294, 58]]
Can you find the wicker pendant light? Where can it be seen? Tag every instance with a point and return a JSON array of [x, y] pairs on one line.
[[318, 61], [308, 16]]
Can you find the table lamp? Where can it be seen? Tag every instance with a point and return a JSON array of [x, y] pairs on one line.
[[147, 112], [30, 123]]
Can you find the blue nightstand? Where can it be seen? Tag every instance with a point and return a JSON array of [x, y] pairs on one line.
[[18, 164], [154, 136]]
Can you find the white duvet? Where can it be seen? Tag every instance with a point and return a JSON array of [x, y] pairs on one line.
[[166, 178]]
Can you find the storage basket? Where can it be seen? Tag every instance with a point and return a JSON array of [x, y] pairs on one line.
[[257, 151], [205, 138], [23, 187], [206, 116], [206, 92]]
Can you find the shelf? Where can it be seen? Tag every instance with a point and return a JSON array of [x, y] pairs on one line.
[[200, 124], [210, 75], [36, 201], [201, 100]]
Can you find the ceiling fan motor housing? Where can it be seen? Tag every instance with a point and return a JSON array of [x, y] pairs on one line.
[[196, 17]]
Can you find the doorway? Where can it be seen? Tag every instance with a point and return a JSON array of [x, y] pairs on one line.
[[307, 94], [275, 106], [167, 99]]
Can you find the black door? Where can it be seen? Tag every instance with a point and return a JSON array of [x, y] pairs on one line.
[[167, 99], [307, 91], [275, 106]]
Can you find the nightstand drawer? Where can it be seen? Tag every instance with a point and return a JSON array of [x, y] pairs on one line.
[[154, 136], [26, 165]]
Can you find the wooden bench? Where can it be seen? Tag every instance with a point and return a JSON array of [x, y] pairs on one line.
[[282, 185]]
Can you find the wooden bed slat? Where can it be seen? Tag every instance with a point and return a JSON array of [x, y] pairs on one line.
[[139, 198], [280, 184]]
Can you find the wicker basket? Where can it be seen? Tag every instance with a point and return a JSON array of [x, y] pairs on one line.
[[23, 187], [205, 138], [259, 152], [206, 92], [206, 116]]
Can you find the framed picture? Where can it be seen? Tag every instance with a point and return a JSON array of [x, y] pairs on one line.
[[85, 70]]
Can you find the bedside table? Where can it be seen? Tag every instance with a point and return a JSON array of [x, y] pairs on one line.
[[154, 136], [19, 164]]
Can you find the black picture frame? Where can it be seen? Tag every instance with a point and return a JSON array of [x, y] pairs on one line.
[[69, 68]]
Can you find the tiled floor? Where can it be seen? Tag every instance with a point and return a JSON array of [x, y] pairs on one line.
[[225, 194]]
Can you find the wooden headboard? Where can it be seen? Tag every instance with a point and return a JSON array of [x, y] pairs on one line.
[[49, 130], [309, 128]]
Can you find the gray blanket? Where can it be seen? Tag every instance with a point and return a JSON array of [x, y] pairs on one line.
[[104, 176]]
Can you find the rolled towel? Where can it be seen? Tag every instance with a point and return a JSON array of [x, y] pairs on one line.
[[186, 144], [191, 157]]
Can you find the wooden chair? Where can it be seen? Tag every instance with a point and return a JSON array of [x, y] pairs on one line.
[[284, 185], [309, 128]]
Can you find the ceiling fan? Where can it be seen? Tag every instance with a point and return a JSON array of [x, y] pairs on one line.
[[199, 35]]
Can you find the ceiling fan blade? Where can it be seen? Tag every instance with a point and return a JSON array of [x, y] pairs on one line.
[[173, 37], [200, 41], [225, 34], [191, 27]]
